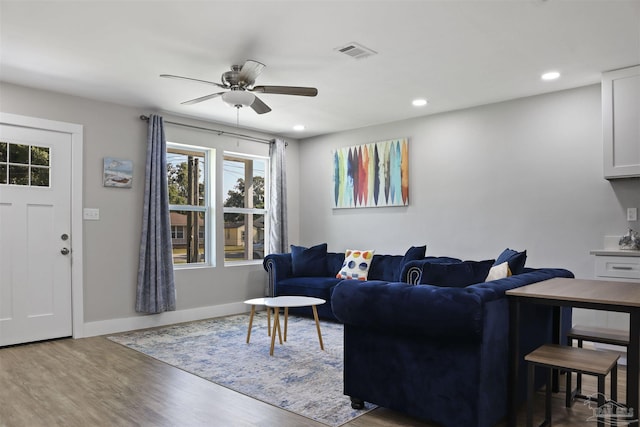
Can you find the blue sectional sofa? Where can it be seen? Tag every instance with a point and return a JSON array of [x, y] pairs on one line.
[[312, 272], [437, 352]]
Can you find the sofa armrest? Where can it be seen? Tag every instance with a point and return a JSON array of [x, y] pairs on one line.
[[278, 267], [404, 309], [496, 288]]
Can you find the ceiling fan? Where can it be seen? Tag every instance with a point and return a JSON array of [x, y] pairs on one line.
[[240, 83]]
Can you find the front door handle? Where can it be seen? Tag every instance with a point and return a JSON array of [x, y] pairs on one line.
[[64, 251]]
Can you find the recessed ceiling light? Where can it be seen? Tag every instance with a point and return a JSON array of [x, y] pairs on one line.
[[551, 75], [419, 102], [298, 127]]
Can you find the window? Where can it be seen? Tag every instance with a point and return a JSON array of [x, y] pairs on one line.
[[26, 165], [189, 203], [244, 207], [177, 232]]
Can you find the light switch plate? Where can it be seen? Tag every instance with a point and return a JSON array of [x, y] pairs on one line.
[[91, 214], [632, 214]]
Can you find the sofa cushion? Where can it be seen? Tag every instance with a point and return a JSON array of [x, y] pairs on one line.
[[356, 264], [309, 262], [515, 259], [307, 286], [457, 275]]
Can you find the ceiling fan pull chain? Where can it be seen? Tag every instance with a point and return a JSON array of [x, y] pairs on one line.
[[238, 123]]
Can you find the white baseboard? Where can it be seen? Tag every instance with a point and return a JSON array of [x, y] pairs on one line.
[[111, 326]]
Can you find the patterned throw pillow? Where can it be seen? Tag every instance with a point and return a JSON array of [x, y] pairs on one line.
[[356, 264]]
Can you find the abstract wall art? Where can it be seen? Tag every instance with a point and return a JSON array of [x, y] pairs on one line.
[[371, 175]]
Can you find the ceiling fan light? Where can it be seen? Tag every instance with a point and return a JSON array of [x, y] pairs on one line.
[[238, 98]]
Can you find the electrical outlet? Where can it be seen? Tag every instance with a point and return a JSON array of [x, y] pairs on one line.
[[632, 214]]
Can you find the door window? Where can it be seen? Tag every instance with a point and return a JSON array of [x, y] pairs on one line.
[[22, 164]]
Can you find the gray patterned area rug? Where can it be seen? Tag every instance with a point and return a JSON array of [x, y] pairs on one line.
[[299, 377]]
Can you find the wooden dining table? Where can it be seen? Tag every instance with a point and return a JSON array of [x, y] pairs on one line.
[[614, 296]]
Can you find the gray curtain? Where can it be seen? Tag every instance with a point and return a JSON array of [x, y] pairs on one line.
[[156, 286], [278, 238]]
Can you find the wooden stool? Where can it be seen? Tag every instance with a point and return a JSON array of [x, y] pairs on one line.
[[570, 359], [590, 334]]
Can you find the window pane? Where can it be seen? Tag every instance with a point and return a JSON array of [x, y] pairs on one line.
[[187, 230], [258, 183], [19, 154], [238, 243], [233, 179], [19, 175], [40, 156], [3, 174], [185, 172], [258, 236], [40, 177], [3, 151]]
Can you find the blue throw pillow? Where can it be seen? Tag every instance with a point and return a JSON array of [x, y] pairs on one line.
[[515, 259], [309, 262], [414, 253], [457, 275]]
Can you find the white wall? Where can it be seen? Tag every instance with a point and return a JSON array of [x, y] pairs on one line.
[[111, 244], [525, 174]]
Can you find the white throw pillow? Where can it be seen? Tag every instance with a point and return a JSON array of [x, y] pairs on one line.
[[499, 271]]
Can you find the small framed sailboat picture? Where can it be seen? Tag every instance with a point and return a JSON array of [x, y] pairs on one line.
[[117, 173]]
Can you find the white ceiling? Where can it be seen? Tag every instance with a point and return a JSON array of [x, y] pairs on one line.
[[456, 54]]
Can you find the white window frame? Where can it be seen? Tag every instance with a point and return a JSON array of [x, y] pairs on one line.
[[208, 209], [249, 211]]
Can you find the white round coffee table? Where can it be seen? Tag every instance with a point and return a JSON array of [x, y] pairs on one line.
[[291, 301]]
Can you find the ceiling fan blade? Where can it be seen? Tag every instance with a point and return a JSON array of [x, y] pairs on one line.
[[259, 106], [250, 70], [287, 90], [202, 98], [171, 76]]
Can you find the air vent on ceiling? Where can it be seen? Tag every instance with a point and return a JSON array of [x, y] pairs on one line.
[[356, 50]]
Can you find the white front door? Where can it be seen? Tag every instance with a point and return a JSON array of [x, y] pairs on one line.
[[35, 234]]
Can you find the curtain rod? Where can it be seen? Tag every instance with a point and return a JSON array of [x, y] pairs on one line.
[[219, 132]]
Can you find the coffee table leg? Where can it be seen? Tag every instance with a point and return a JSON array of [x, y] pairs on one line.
[[286, 319], [315, 316], [279, 329], [275, 325], [268, 321], [253, 311]]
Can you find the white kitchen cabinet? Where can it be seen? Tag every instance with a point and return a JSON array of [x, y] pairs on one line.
[[612, 265], [621, 122]]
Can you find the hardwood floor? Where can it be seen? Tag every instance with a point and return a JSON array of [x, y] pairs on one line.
[[95, 382]]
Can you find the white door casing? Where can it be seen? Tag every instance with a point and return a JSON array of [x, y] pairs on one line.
[[40, 286]]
